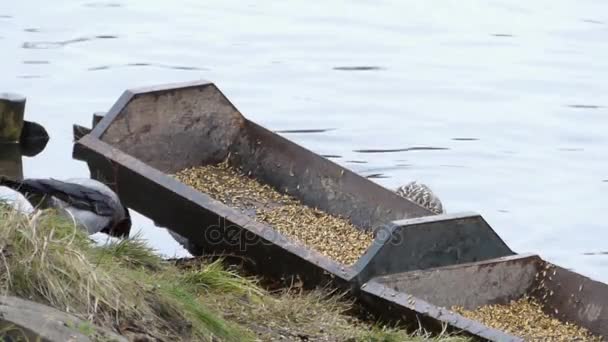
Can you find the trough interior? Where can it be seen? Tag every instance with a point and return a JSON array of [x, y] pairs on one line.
[[175, 129], [562, 294], [468, 285]]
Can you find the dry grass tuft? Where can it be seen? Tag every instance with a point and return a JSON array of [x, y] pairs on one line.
[[123, 285]]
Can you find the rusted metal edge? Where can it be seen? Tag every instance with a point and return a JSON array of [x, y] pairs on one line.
[[88, 146]]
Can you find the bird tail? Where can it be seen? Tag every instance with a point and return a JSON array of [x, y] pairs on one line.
[[33, 193], [9, 183]]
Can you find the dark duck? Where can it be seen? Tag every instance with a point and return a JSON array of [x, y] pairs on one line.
[[422, 195], [91, 204]]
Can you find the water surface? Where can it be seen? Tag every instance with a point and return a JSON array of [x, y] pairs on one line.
[[500, 107]]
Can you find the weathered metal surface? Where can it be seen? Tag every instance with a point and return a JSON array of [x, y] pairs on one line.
[[97, 116], [214, 227], [469, 285], [168, 128], [152, 132], [79, 132], [195, 124], [574, 297], [432, 241]]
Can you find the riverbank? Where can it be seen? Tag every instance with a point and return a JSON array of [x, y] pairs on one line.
[[127, 288]]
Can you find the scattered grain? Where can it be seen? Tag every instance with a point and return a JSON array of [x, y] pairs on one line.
[[525, 318], [335, 237]]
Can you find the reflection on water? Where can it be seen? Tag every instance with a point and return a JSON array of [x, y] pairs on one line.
[[34, 139], [510, 96], [11, 165]]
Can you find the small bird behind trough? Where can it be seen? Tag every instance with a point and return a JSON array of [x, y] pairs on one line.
[[422, 195], [90, 203]]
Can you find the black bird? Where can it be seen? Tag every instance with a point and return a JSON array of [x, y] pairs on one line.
[[90, 203]]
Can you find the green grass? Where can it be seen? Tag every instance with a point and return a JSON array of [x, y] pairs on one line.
[[126, 287]]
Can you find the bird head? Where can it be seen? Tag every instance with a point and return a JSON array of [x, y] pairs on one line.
[[122, 228]]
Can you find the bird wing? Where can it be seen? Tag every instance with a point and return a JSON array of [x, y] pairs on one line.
[[75, 195]]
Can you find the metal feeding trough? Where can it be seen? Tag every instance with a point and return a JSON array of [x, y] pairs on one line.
[[152, 133]]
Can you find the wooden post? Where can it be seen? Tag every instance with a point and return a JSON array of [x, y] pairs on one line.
[[12, 107], [11, 164]]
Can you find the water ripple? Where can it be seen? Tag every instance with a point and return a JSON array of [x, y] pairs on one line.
[[357, 68], [60, 44], [103, 4], [376, 176], [30, 76], [312, 130], [584, 106], [165, 66], [406, 149], [591, 21], [465, 139], [36, 62]]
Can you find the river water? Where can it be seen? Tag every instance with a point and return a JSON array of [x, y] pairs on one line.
[[513, 96]]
